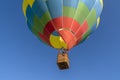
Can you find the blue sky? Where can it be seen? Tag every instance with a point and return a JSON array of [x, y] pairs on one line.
[[24, 57]]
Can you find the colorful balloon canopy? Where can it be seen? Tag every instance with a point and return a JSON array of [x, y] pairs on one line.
[[62, 23]]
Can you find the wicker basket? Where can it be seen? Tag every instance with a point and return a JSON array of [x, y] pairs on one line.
[[63, 61]]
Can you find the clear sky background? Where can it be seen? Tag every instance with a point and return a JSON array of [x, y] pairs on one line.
[[24, 57]]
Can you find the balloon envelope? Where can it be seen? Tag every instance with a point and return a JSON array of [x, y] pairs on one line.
[[62, 23]]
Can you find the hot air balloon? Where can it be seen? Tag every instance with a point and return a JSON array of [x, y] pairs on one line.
[[62, 24]]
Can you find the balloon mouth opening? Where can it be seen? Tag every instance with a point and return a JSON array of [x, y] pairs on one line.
[[70, 40]]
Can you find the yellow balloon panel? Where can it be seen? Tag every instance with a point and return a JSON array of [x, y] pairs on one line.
[[101, 1], [57, 42], [26, 3], [98, 22]]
